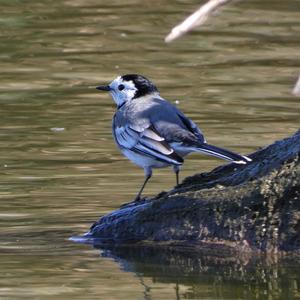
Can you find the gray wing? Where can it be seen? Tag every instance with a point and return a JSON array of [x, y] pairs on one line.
[[150, 126], [170, 122], [143, 138]]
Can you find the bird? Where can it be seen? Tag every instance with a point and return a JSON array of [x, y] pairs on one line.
[[152, 132]]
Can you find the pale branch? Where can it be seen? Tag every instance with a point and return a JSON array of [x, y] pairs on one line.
[[196, 19], [296, 90]]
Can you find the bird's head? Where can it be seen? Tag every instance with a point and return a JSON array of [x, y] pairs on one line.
[[127, 87]]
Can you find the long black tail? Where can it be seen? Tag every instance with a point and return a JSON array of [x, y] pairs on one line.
[[224, 154]]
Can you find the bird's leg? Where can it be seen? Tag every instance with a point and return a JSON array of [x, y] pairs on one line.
[[176, 170], [148, 174]]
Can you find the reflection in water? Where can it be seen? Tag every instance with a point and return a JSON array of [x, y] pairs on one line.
[[198, 275]]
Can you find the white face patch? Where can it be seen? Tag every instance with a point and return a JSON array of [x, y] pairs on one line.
[[122, 91]]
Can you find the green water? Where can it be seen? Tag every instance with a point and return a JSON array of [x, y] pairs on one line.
[[60, 169]]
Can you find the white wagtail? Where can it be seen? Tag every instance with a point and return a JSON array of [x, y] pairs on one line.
[[152, 132]]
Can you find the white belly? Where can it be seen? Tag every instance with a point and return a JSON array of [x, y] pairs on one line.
[[144, 161]]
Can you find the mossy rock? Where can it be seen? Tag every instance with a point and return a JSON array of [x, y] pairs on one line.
[[253, 207]]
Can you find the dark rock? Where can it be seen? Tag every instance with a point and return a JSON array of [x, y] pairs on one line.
[[253, 207]]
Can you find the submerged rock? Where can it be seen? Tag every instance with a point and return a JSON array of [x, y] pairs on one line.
[[253, 207]]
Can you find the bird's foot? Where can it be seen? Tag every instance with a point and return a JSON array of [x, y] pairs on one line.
[[137, 200]]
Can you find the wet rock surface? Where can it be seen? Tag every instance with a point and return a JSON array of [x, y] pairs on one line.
[[253, 207]]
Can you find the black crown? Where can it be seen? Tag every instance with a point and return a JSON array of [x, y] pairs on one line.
[[144, 86]]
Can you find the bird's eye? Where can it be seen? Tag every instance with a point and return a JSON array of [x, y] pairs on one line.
[[121, 87]]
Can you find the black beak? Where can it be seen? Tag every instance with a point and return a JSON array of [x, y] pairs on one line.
[[103, 88]]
